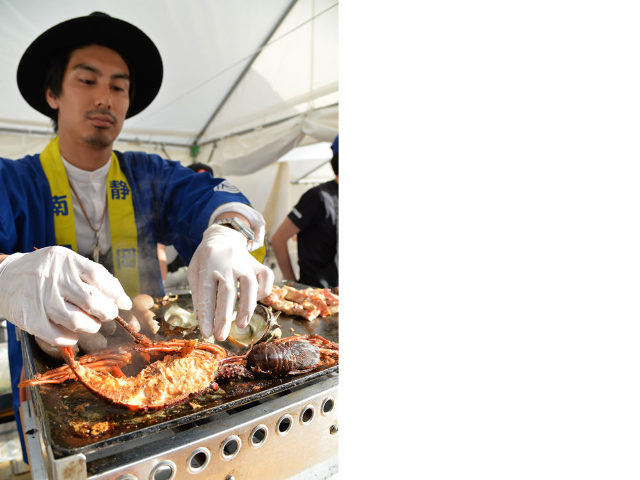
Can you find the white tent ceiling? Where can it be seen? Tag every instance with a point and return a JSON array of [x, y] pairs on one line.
[[245, 80]]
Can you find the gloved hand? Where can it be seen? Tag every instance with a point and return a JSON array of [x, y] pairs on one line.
[[56, 294], [140, 318], [219, 263]]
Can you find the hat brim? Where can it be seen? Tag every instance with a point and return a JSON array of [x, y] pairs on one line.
[[133, 45]]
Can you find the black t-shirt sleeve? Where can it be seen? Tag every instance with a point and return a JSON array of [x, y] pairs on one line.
[[306, 209]]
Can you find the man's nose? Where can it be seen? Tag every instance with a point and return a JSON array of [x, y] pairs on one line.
[[103, 97]]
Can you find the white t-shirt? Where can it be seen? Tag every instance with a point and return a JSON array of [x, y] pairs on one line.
[[92, 189]]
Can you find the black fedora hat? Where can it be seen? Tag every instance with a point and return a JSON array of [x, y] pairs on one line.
[[133, 45]]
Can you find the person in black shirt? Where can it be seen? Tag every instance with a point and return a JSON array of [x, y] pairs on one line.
[[314, 220]]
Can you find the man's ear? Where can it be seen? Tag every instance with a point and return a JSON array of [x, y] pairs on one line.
[[52, 99]]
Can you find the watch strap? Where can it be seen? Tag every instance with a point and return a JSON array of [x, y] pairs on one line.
[[238, 225]]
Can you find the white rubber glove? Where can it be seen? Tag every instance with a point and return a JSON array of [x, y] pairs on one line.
[[219, 263], [56, 294]]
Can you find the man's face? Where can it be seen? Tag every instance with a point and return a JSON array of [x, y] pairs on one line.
[[94, 98]]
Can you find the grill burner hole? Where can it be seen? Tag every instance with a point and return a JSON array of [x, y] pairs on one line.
[[327, 405], [284, 424], [164, 471], [230, 447], [259, 435], [198, 460], [307, 414]]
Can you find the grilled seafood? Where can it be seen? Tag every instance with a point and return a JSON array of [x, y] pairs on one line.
[[309, 303], [176, 315], [106, 361], [281, 357], [187, 369], [258, 328], [284, 356]]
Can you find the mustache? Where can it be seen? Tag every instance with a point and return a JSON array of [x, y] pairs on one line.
[[99, 111]]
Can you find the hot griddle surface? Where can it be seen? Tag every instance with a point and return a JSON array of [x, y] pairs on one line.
[[74, 418]]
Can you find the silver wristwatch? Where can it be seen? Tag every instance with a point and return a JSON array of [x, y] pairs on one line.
[[238, 225]]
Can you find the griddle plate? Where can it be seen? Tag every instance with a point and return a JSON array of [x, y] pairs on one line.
[[71, 402]]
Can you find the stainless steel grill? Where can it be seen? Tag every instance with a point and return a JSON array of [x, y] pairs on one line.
[[290, 435], [275, 429]]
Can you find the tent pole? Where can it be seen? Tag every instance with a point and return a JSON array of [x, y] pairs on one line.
[[50, 133], [26, 131], [297, 181], [265, 125], [243, 74]]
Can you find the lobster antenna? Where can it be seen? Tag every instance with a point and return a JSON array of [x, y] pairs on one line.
[[272, 324], [140, 338]]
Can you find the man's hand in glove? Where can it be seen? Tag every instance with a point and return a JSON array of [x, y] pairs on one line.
[[56, 294], [218, 264]]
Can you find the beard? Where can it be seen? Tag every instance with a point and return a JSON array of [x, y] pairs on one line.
[[99, 140], [98, 137]]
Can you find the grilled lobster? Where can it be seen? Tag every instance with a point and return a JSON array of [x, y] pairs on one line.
[[187, 369], [284, 356]]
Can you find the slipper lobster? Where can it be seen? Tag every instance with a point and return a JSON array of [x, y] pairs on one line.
[[187, 369]]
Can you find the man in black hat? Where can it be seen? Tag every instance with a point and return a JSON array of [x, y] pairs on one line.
[[88, 74]]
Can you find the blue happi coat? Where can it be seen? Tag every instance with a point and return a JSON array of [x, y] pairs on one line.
[[172, 206]]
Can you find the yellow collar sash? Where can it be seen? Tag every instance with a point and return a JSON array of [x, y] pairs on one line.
[[124, 235]]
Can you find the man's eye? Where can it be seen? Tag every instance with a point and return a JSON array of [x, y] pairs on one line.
[[87, 81]]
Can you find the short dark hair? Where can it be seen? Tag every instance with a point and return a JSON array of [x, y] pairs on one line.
[[55, 73], [201, 167], [334, 163]]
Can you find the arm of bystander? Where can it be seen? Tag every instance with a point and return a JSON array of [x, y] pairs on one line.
[[286, 230]]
